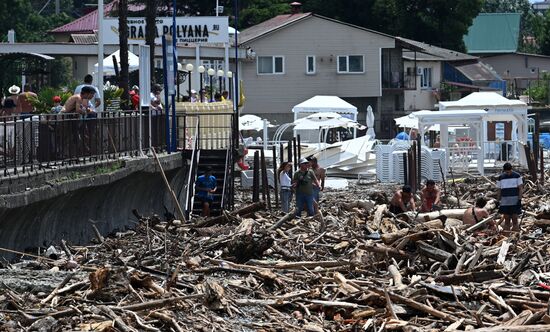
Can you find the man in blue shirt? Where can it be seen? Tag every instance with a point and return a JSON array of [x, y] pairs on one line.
[[205, 188], [510, 187]]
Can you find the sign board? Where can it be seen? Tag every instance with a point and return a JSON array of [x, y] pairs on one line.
[[144, 76], [169, 68], [195, 29]]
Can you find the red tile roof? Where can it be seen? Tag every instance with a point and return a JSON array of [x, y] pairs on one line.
[[86, 23], [270, 25]]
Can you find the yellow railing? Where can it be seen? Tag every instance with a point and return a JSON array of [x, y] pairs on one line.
[[215, 124]]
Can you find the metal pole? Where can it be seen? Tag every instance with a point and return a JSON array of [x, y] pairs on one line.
[[201, 93], [175, 52], [275, 175], [166, 111], [189, 78], [256, 178], [100, 52], [265, 184]]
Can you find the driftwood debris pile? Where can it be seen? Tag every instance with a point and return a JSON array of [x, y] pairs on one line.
[[353, 267]]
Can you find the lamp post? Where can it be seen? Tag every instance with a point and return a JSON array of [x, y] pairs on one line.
[[211, 73], [230, 77], [189, 68], [201, 72], [220, 80]]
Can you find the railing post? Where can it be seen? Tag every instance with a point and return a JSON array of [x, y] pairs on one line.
[[256, 178], [265, 183], [275, 177]]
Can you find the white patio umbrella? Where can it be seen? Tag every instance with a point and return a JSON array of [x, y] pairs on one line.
[[411, 121], [325, 120], [251, 122], [370, 122]]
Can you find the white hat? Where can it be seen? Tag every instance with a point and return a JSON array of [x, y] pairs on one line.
[[193, 91], [14, 89]]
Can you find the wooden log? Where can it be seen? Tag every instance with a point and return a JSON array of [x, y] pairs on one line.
[[296, 265], [527, 328], [432, 252], [287, 217], [389, 238], [432, 224], [479, 276], [160, 303], [240, 212], [481, 224], [451, 213], [391, 252], [168, 187], [265, 185], [256, 178], [417, 305]]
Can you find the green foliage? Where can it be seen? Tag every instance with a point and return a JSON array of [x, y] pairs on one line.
[[437, 22], [544, 40], [61, 72], [111, 95], [29, 26], [43, 102], [538, 91]]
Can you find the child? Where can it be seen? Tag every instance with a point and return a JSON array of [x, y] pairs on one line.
[[56, 109]]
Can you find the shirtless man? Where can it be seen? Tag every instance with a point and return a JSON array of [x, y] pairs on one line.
[[78, 103], [320, 174], [402, 201], [431, 196], [476, 213], [23, 104]]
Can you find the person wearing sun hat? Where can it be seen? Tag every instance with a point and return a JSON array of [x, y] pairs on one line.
[[303, 181]]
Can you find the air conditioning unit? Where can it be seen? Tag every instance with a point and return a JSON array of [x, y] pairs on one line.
[[418, 71]]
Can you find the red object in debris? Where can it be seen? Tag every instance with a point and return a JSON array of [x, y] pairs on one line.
[[242, 165], [545, 286]]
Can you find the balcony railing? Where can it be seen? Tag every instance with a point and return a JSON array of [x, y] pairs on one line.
[[49, 140], [398, 80]]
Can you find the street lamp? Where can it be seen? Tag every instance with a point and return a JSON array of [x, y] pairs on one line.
[[189, 68], [201, 72], [220, 80], [211, 73], [230, 77]]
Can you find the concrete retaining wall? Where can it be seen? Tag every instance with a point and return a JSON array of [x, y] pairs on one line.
[[41, 216]]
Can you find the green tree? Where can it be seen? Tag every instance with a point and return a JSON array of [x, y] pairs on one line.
[[438, 22], [544, 40]]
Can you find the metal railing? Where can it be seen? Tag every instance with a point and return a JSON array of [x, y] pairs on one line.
[[227, 177], [192, 171], [48, 140]]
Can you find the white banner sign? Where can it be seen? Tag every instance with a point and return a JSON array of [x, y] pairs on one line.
[[196, 29]]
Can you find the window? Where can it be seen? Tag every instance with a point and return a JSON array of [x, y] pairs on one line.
[[310, 64], [270, 65], [426, 78], [350, 64]]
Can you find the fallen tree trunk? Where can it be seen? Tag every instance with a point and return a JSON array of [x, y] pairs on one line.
[[240, 212]]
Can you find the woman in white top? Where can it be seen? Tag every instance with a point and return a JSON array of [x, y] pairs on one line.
[[286, 185]]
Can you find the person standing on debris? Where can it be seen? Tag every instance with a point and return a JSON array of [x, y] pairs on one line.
[[286, 185], [320, 174], [476, 213], [206, 187], [510, 187], [431, 196], [402, 200], [303, 181]]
